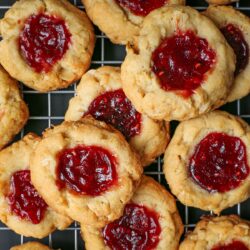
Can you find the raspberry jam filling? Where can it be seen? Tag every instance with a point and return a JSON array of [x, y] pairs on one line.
[[181, 61], [114, 108], [24, 200], [237, 41], [43, 41], [89, 170], [141, 7], [235, 245], [138, 229], [219, 163]]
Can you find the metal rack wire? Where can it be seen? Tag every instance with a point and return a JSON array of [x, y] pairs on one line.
[[47, 109]]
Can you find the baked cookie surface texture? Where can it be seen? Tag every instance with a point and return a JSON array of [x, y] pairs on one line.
[[219, 233], [207, 162], [47, 44], [149, 221], [179, 67]]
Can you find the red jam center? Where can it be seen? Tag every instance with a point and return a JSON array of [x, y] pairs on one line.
[[137, 229], [180, 62], [114, 108], [235, 245], [237, 41], [43, 41], [87, 170], [23, 198], [219, 163], [141, 7]]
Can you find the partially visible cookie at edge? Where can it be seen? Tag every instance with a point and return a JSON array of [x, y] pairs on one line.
[[215, 233], [14, 112], [221, 2], [236, 28], [117, 21], [22, 209], [31, 246]]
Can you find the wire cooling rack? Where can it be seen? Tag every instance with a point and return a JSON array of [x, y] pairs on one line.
[[47, 109]]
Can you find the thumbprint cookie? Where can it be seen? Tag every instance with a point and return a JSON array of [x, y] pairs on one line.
[[179, 67], [207, 162], [31, 246], [100, 95], [235, 26], [22, 208], [149, 221], [47, 44], [221, 2], [86, 170], [219, 233], [121, 20], [13, 111]]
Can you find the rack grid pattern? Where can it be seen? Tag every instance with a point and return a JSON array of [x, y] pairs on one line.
[[48, 109]]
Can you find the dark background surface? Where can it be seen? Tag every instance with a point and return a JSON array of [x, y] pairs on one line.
[[47, 109]]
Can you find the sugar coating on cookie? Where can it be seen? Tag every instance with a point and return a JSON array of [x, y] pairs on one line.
[[175, 70], [88, 169], [149, 221], [22, 208], [52, 43], [235, 26], [31, 246], [121, 20], [207, 162], [219, 233], [14, 112], [100, 94]]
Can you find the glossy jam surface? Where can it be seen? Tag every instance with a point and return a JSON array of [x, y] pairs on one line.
[[235, 245], [24, 200], [137, 229], [87, 170], [219, 163], [180, 62], [43, 41], [141, 7], [237, 41], [114, 108]]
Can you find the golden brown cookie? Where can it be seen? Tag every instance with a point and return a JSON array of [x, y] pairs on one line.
[[31, 246], [121, 20], [100, 95], [179, 67], [221, 2], [219, 233], [22, 209], [151, 219], [13, 111], [207, 162], [86, 170], [236, 28], [47, 44]]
